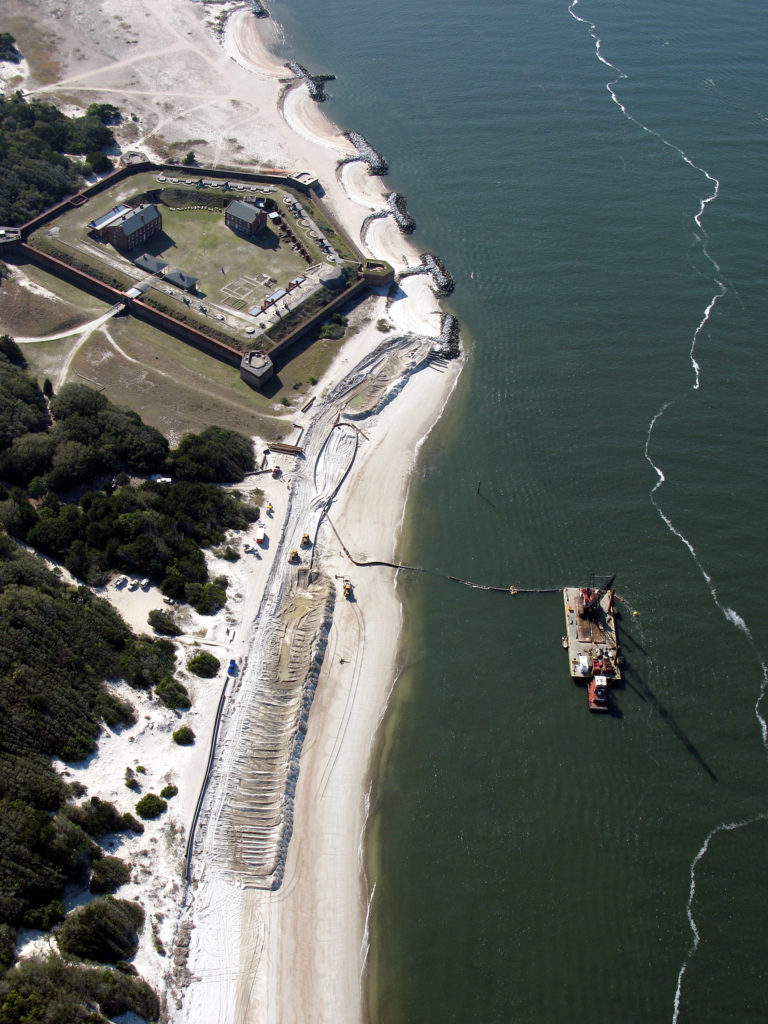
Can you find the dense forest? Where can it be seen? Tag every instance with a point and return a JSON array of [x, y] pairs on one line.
[[57, 646], [74, 484], [150, 528], [35, 140]]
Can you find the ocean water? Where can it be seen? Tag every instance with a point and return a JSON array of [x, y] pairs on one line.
[[595, 178]]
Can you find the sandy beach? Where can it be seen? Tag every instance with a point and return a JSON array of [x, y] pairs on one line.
[[272, 926]]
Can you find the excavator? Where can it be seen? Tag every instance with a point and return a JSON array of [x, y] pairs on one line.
[[591, 598]]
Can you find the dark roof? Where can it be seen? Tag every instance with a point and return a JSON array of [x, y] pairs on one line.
[[150, 263], [133, 219], [181, 278], [243, 211]]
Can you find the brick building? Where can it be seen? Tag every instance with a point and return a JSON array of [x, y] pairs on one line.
[[126, 227], [245, 217]]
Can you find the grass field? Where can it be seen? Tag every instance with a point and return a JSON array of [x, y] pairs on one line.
[[172, 385], [234, 273], [228, 266]]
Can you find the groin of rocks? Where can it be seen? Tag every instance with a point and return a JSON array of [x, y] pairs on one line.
[[315, 83], [396, 203], [434, 266], [377, 165], [449, 343], [258, 8]]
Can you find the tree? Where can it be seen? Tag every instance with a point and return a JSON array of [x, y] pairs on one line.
[[99, 162], [215, 455], [104, 930], [184, 736], [163, 623], [109, 874], [11, 350], [47, 388], [204, 664], [150, 806], [189, 159]]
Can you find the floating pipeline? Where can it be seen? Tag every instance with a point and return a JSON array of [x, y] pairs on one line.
[[404, 220], [314, 83], [377, 165]]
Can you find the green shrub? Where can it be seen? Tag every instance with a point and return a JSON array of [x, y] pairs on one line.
[[104, 930], [109, 874], [96, 817], [184, 736], [204, 664], [169, 791], [130, 824], [173, 694], [206, 598], [53, 991], [45, 917], [150, 806], [163, 623]]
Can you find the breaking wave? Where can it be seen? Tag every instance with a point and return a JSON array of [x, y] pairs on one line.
[[730, 615]]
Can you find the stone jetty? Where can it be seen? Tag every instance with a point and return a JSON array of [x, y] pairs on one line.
[[314, 83], [377, 165], [434, 266], [397, 204]]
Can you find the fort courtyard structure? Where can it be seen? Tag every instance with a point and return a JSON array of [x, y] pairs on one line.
[[243, 257]]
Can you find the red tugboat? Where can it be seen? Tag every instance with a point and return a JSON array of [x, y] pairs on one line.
[[591, 640]]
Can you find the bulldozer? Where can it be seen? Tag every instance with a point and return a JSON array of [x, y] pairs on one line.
[[294, 556], [347, 588], [305, 541]]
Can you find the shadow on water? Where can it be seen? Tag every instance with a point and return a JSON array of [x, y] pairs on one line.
[[646, 693]]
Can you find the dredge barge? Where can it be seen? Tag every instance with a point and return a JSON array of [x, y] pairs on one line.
[[593, 646]]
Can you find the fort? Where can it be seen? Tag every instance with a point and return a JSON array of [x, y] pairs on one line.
[[263, 262]]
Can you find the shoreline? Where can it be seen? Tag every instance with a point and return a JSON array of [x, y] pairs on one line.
[[295, 878], [314, 930]]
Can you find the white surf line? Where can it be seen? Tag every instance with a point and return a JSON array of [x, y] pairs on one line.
[[703, 204], [730, 614]]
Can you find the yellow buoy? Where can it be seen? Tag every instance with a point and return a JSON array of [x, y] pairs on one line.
[[512, 591], [635, 613]]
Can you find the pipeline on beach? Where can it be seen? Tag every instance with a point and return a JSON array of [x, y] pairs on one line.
[[401, 567]]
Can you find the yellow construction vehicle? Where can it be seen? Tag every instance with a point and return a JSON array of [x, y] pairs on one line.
[[347, 588], [305, 542], [294, 556]]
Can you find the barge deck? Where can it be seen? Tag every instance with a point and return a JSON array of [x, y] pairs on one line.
[[593, 646]]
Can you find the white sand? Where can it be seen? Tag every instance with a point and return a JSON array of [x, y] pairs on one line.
[[296, 954]]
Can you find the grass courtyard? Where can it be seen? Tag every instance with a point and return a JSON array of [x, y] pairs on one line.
[[235, 273]]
